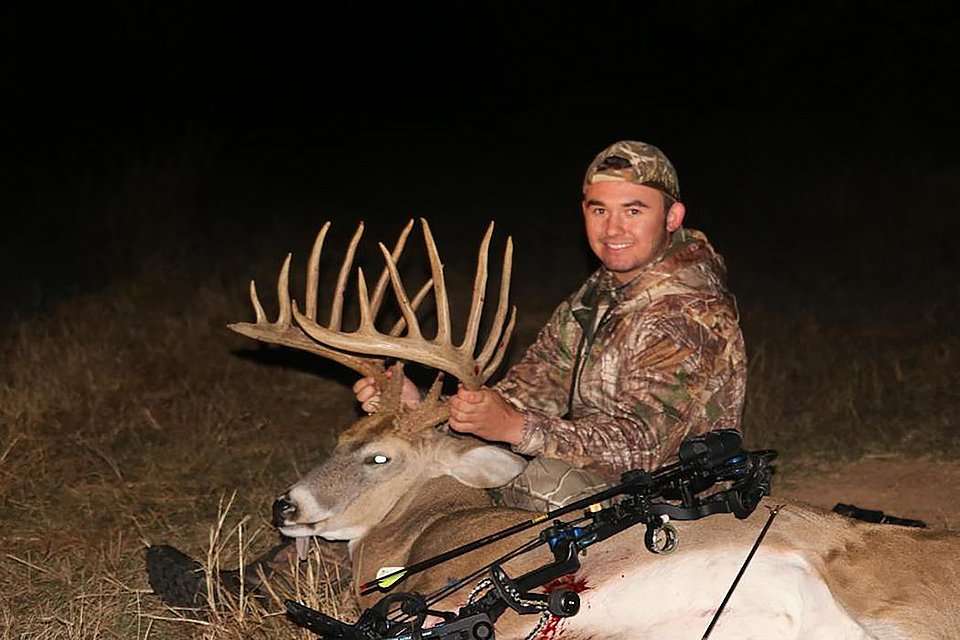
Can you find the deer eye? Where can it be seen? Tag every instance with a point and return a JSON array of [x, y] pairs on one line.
[[377, 458]]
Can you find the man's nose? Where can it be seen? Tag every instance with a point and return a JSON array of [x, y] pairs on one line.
[[283, 510], [614, 224]]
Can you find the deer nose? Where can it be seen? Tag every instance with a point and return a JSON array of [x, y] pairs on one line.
[[282, 509]]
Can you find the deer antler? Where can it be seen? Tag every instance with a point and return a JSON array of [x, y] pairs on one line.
[[440, 352], [283, 332]]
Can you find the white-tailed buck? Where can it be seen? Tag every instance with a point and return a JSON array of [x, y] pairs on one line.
[[401, 488]]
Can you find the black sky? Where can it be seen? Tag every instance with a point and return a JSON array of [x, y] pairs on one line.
[[772, 111], [237, 64]]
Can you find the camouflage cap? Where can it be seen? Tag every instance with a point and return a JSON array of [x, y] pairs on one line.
[[637, 162]]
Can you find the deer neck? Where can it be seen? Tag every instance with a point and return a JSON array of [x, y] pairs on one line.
[[389, 543]]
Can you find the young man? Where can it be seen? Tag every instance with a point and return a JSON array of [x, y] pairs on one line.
[[645, 354]]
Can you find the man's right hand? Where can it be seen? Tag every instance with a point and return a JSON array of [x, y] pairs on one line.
[[368, 393]]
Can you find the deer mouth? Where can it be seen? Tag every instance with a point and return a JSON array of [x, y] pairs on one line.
[[301, 534], [321, 528], [303, 529]]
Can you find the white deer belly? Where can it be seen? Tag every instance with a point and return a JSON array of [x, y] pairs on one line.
[[675, 598]]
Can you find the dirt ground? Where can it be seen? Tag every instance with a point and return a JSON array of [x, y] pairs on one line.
[[918, 488]]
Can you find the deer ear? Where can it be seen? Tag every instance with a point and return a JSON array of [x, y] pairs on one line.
[[486, 467]]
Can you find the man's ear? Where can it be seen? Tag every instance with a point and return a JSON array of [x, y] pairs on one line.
[[483, 467], [675, 216]]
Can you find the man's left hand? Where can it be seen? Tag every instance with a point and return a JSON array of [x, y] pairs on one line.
[[487, 415]]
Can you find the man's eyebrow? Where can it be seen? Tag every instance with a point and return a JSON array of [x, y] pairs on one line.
[[632, 203]]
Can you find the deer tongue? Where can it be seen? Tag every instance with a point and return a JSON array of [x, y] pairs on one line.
[[303, 545]]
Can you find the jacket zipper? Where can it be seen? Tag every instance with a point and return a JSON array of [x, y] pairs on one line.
[[584, 349]]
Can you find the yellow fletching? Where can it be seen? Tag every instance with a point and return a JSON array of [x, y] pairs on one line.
[[389, 581]]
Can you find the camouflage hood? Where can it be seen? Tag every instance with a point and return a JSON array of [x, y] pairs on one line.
[[688, 265]]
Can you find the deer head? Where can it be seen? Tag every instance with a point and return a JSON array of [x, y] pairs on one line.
[[390, 453]]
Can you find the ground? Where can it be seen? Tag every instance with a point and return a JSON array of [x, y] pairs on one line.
[[918, 488]]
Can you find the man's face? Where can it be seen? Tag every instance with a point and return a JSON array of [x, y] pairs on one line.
[[627, 226]]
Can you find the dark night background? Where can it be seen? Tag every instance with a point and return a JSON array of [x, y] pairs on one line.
[[815, 142]]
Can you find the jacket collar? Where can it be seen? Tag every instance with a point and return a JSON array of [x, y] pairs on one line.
[[680, 263]]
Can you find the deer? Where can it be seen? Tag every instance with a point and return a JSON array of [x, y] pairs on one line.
[[400, 486]]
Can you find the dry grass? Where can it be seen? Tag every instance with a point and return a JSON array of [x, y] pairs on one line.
[[843, 392], [112, 604], [228, 615], [123, 417]]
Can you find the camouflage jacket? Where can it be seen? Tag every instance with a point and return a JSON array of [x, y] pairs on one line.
[[660, 358]]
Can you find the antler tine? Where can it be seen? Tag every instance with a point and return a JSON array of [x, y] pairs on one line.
[[283, 294], [381, 288], [313, 271], [501, 314], [366, 321], [479, 295], [429, 413], [413, 327], [257, 307], [439, 286], [433, 395], [501, 348], [336, 305], [415, 304]]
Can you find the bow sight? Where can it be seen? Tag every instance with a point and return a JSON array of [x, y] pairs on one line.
[[685, 490]]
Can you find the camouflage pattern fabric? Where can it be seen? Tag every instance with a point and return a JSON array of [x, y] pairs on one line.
[[548, 484], [662, 359], [636, 162]]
